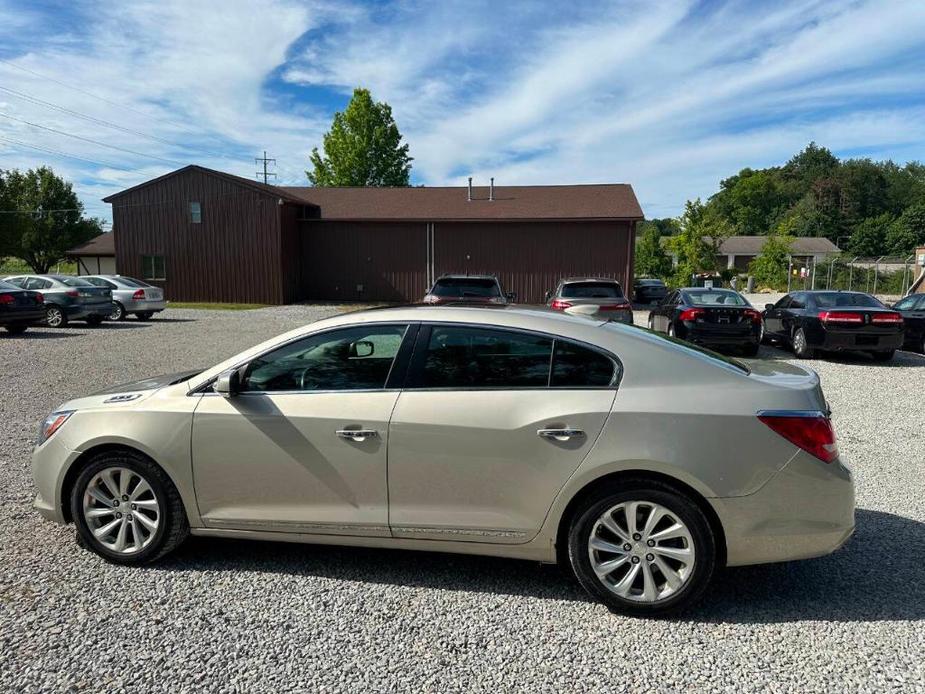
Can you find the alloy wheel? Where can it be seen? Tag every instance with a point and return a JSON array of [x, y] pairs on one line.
[[121, 510], [54, 317], [641, 551]]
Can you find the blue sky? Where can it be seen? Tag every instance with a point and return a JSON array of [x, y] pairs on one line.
[[670, 96]]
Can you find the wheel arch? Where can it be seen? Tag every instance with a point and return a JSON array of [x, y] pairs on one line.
[[625, 477]]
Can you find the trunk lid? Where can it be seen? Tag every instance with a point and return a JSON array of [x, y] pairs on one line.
[[94, 295]]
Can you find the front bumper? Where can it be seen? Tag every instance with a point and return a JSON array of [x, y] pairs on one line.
[[806, 510], [50, 461]]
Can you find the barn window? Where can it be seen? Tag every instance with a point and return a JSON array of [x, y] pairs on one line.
[[195, 213], [152, 267]]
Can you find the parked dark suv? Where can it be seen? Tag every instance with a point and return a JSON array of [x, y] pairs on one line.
[[649, 291], [479, 289], [834, 321]]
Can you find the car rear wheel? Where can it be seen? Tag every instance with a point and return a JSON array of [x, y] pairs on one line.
[[16, 328], [671, 330], [144, 315], [646, 550], [801, 347], [55, 317], [127, 510], [118, 311], [883, 356]]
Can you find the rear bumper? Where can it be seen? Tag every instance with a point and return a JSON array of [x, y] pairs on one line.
[[618, 316], [734, 335], [102, 310], [139, 306], [870, 342], [806, 510], [30, 316]]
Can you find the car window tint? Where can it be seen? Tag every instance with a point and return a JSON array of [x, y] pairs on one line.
[[356, 358], [464, 357], [798, 302], [574, 366], [466, 286], [783, 302], [18, 281], [839, 299], [714, 298], [591, 290], [72, 281], [906, 304], [37, 283], [8, 286]]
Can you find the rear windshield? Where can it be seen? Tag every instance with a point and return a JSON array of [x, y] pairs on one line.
[[71, 281], [651, 283], [701, 352], [465, 286], [592, 290], [714, 298], [836, 299], [131, 282], [8, 286]]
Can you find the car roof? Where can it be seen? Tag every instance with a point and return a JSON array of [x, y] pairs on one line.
[[466, 277], [570, 280]]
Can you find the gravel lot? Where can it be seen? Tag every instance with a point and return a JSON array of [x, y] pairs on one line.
[[241, 616]]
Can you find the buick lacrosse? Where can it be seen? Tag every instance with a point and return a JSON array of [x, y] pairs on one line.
[[642, 463]]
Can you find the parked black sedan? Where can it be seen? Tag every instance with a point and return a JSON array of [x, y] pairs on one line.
[[834, 321], [709, 317], [649, 291], [20, 308], [912, 309]]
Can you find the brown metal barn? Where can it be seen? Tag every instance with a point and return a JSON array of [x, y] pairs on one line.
[[205, 235]]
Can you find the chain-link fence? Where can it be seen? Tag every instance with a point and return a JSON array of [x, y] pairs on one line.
[[886, 275]]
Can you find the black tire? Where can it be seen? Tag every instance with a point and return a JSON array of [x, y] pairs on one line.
[[801, 346], [144, 315], [173, 526], [118, 312], [883, 356], [55, 316], [16, 328], [651, 324], [750, 349], [94, 320], [671, 331], [704, 545]]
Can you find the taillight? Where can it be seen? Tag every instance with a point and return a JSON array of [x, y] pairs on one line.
[[811, 431], [73, 293], [840, 317], [559, 305], [753, 314], [616, 307], [39, 298], [887, 318], [139, 295], [6, 299], [691, 314]]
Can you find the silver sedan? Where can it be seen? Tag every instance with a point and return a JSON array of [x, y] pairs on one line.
[[642, 464], [130, 296]]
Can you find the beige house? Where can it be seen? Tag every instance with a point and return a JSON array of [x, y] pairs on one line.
[[97, 256], [738, 251]]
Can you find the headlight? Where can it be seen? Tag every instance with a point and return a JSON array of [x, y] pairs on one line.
[[51, 424]]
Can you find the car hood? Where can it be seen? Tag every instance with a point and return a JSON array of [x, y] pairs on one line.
[[151, 383]]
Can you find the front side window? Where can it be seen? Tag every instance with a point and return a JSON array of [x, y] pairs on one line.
[[465, 357], [195, 213], [36, 283], [355, 358], [784, 301], [153, 267]]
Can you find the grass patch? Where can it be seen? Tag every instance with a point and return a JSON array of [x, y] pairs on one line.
[[15, 266], [206, 306]]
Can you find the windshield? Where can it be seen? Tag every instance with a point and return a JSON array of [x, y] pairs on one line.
[[592, 290], [71, 281], [714, 298], [837, 299], [466, 286]]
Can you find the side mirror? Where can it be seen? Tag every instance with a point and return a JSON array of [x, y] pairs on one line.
[[511, 296], [768, 307], [362, 348], [228, 383]]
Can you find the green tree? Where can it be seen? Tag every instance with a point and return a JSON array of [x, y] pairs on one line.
[[810, 165], [908, 231], [695, 245], [769, 268], [869, 237], [651, 259], [46, 217], [363, 147]]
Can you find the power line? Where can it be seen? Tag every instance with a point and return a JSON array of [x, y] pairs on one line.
[[90, 140], [100, 121], [59, 153], [265, 161]]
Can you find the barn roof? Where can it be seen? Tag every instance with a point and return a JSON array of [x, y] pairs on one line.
[[103, 245]]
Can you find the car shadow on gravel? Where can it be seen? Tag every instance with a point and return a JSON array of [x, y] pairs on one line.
[[878, 575], [900, 359], [34, 334]]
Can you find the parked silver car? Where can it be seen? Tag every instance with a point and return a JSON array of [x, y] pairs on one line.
[[642, 463], [67, 298], [605, 295], [130, 296]]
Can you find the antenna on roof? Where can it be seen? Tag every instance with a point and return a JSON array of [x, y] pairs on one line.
[[266, 174], [491, 189], [470, 189]]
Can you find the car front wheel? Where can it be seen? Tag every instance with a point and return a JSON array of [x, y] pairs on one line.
[[126, 509], [646, 550]]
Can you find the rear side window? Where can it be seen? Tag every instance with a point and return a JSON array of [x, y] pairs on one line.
[[466, 286], [574, 366], [37, 283], [592, 290], [464, 357]]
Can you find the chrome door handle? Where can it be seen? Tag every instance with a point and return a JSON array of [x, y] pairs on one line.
[[358, 435], [559, 434]]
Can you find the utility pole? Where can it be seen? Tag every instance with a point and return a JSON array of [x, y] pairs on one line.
[[266, 174]]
